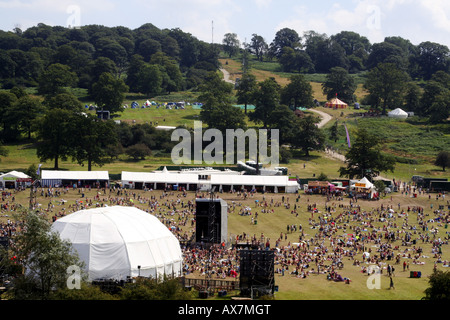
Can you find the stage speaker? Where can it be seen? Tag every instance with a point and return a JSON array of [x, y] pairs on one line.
[[256, 269], [205, 228]]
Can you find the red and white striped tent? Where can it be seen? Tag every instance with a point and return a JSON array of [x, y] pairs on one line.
[[336, 104]]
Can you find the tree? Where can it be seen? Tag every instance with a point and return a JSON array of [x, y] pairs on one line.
[[55, 78], [352, 42], [148, 47], [246, 89], [379, 186], [7, 101], [98, 67], [258, 46], [231, 44], [150, 80], [283, 119], [151, 289], [266, 99], [386, 52], [92, 137], [334, 132], [136, 64], [297, 93], [386, 85], [172, 79], [434, 93], [443, 160], [364, 159], [109, 92], [412, 97], [66, 101], [218, 111], [44, 256], [433, 57], [284, 38], [325, 53], [439, 288], [295, 60], [26, 110], [440, 109], [410, 52], [339, 83], [55, 132], [308, 136], [138, 151]]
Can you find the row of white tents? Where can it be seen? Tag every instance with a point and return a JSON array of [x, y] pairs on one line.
[[191, 180]]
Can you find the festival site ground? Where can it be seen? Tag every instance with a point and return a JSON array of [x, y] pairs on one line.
[[309, 233]]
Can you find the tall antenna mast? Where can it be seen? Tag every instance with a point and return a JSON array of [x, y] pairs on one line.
[[212, 31]]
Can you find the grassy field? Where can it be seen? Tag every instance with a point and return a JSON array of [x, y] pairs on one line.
[[404, 139], [263, 70], [315, 286]]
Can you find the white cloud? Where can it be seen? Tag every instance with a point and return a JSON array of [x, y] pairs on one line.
[[262, 4], [365, 18], [440, 11]]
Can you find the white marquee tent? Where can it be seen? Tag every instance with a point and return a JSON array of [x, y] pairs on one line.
[[53, 178], [398, 114], [119, 242], [204, 181]]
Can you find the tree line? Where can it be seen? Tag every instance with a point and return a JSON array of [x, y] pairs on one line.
[[396, 73], [108, 62], [314, 52], [177, 59]]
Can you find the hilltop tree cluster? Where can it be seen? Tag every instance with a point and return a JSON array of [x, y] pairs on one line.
[[80, 56], [107, 63]]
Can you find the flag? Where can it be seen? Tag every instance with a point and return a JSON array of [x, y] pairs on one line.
[[38, 171], [348, 136]]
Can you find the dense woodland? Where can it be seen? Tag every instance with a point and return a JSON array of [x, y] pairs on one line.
[[110, 62]]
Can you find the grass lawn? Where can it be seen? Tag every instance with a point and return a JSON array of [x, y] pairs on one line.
[[161, 116], [315, 286]]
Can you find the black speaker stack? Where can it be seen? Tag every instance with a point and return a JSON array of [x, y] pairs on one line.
[[256, 272], [211, 221]]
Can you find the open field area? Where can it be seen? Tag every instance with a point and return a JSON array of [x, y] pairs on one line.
[[413, 143], [364, 218]]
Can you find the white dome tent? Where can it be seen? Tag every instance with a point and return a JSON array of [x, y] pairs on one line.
[[120, 242], [398, 114]]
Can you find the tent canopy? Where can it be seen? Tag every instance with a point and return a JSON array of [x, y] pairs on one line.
[[119, 242], [336, 103], [398, 113], [14, 174]]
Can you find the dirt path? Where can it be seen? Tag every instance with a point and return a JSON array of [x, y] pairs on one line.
[[226, 76], [325, 117]]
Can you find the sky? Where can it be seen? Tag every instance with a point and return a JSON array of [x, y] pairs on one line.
[[209, 20]]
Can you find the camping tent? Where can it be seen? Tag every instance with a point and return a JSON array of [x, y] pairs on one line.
[[336, 104], [119, 242], [398, 114]]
